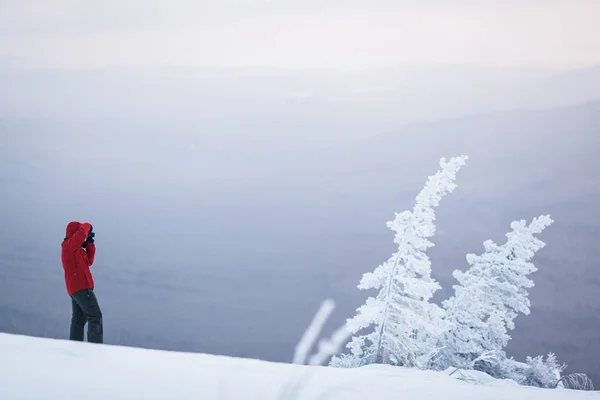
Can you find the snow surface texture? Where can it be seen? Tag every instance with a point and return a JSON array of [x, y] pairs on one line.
[[39, 368]]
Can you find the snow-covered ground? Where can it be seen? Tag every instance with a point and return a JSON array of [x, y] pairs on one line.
[[37, 368]]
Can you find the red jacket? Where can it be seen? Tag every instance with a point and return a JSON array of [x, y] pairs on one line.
[[76, 260]]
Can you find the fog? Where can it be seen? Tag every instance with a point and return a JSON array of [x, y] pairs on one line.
[[300, 34], [231, 195]]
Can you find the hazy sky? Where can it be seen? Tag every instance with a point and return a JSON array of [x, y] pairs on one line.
[[300, 33]]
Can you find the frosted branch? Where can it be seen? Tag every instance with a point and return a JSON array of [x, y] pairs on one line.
[[313, 331], [330, 347]]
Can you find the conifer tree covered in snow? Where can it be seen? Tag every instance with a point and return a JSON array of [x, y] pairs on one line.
[[489, 296], [404, 324], [401, 326]]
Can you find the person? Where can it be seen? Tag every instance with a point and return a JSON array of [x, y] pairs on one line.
[[78, 253]]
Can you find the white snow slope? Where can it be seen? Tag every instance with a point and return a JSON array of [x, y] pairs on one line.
[[38, 368]]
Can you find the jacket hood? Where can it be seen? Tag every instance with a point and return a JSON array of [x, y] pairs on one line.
[[72, 228]]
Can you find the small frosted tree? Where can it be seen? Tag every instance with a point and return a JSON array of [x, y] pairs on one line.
[[543, 373], [490, 295], [404, 323]]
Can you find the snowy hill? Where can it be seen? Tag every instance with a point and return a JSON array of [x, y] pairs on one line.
[[37, 368]]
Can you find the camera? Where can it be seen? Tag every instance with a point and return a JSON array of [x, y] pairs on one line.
[[89, 239]]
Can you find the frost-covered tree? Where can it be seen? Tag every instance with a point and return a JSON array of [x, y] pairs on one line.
[[543, 373], [404, 323], [490, 295]]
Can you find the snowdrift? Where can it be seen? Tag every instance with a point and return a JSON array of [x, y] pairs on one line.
[[37, 368]]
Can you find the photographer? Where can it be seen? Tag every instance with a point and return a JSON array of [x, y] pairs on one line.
[[78, 252]]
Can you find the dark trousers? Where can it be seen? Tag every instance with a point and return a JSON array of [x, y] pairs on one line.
[[86, 309]]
